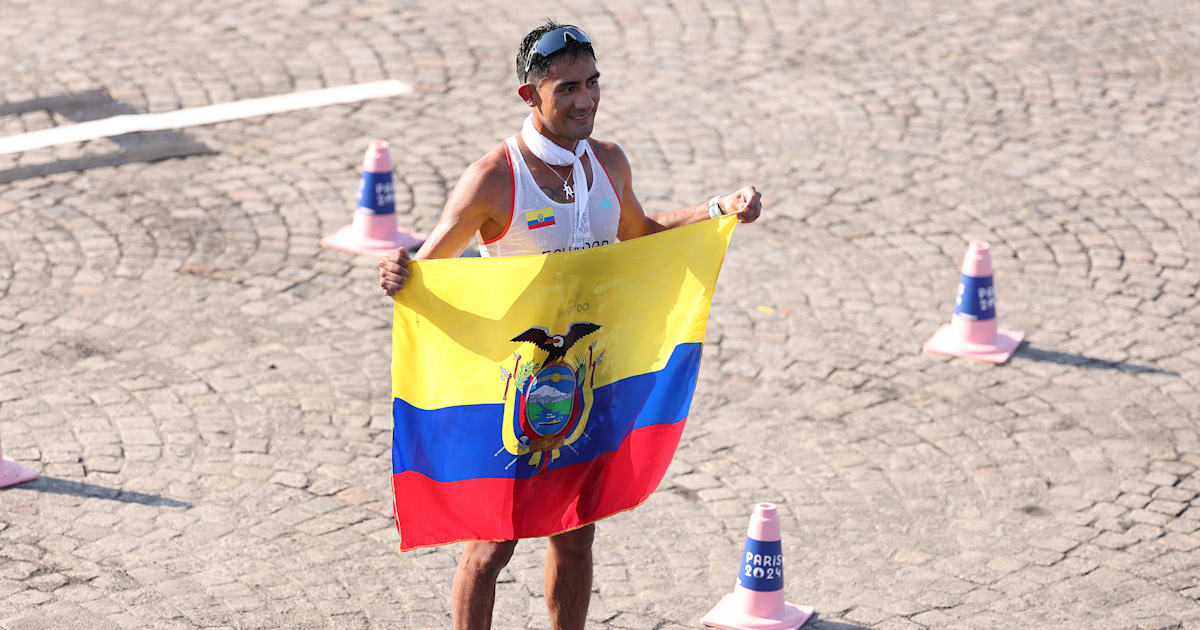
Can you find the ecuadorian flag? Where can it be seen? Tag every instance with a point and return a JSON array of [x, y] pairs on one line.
[[536, 394], [539, 218]]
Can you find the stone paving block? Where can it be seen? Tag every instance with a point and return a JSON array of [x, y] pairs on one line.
[[1133, 501], [1169, 508], [1181, 541]]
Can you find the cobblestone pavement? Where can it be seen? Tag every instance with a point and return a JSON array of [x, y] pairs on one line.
[[204, 389]]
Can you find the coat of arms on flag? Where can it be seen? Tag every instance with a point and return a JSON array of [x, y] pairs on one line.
[[536, 394], [553, 398]]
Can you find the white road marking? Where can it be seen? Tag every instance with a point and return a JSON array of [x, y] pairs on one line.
[[194, 116]]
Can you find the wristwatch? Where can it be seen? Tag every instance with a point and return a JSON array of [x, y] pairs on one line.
[[714, 207]]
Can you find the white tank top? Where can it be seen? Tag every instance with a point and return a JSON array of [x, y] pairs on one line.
[[540, 225]]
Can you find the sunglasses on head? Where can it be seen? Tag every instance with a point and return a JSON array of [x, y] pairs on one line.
[[555, 41]]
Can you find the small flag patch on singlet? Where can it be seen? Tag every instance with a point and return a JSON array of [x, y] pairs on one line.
[[539, 218]]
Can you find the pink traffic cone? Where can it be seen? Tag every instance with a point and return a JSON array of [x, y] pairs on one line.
[[972, 332], [374, 231], [12, 473], [757, 601]]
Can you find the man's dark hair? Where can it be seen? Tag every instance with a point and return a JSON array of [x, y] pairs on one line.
[[541, 65]]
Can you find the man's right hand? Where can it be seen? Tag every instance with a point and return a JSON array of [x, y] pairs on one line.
[[393, 271]]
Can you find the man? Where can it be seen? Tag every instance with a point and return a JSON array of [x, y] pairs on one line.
[[550, 188]]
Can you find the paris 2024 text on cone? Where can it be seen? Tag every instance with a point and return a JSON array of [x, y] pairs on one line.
[[374, 231], [12, 473], [757, 601], [972, 332]]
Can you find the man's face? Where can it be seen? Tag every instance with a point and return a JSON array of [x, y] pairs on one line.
[[568, 97]]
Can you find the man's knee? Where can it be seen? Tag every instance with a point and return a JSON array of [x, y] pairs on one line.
[[576, 542], [487, 558]]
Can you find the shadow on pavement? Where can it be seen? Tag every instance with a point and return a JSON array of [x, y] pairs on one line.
[[816, 623], [80, 489], [1066, 358], [145, 146]]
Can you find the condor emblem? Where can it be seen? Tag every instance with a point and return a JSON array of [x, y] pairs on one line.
[[551, 401]]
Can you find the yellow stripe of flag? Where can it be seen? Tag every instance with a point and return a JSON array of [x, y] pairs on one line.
[[648, 295], [539, 216]]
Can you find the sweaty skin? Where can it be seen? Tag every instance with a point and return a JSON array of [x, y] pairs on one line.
[[564, 108]]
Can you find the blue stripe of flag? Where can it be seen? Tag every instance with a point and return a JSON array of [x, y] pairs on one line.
[[461, 442]]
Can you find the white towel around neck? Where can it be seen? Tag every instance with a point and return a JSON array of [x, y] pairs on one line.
[[550, 153]]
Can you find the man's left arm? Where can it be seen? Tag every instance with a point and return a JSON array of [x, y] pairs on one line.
[[746, 202]]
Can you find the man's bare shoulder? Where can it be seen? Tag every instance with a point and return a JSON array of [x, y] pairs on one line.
[[488, 176], [615, 163], [611, 155], [607, 151]]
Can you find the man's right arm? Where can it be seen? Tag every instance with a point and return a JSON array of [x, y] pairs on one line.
[[481, 193]]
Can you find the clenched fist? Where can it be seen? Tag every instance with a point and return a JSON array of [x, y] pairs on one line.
[[393, 271]]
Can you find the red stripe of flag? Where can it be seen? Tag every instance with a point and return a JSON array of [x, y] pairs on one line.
[[506, 509]]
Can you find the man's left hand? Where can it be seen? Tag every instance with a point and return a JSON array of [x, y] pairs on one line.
[[745, 202]]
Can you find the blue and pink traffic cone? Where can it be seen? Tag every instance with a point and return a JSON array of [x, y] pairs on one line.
[[374, 231], [757, 601], [972, 332], [12, 473]]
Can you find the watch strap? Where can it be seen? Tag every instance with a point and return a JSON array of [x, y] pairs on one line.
[[714, 207]]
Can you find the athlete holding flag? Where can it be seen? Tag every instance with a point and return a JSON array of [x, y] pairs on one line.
[[550, 188]]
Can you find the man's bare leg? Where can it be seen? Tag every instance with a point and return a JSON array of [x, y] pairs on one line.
[[569, 578], [474, 591]]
